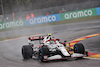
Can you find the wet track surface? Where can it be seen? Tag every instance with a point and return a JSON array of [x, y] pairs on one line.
[[92, 44], [10, 51]]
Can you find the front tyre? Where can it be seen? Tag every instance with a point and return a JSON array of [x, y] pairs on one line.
[[79, 48], [43, 51], [27, 51]]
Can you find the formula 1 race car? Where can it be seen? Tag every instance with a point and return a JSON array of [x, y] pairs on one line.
[[49, 48]]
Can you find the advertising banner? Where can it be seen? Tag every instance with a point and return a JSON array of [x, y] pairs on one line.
[[98, 11], [51, 18], [78, 14], [5, 25], [43, 19]]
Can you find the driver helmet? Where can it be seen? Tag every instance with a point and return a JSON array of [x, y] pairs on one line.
[[52, 42]]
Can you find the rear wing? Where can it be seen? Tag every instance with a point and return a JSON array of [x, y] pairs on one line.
[[37, 38]]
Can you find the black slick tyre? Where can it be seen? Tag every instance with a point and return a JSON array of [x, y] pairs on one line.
[[43, 51], [79, 48], [27, 51]]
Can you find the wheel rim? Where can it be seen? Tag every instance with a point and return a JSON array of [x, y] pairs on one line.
[[75, 48], [40, 56]]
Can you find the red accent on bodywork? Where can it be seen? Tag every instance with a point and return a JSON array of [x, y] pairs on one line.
[[52, 40], [40, 46], [37, 37], [46, 59], [58, 39]]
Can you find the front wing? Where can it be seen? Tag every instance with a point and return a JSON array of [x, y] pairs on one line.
[[58, 57]]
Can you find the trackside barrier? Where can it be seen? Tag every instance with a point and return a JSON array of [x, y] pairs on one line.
[[78, 14], [98, 10], [51, 18], [6, 25], [43, 19]]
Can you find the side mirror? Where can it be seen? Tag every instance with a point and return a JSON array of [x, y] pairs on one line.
[[65, 41], [29, 38]]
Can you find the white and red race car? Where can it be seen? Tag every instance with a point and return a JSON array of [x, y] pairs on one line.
[[49, 48]]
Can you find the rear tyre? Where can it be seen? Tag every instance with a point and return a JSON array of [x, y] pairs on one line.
[[79, 48], [43, 51], [27, 51]]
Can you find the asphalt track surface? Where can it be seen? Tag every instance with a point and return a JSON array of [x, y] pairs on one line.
[[10, 50], [92, 44]]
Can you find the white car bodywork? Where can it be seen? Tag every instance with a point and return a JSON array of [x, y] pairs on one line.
[[54, 46]]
